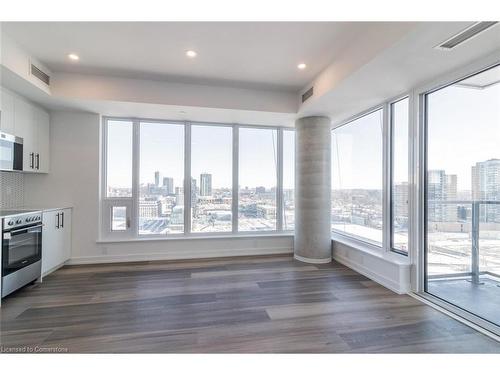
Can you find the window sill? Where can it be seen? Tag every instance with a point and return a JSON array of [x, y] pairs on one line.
[[372, 250], [228, 236]]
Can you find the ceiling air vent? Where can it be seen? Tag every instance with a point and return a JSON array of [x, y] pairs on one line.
[[38, 73], [465, 35], [307, 94]]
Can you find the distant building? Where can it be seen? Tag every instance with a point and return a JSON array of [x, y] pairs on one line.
[[441, 187], [168, 185], [266, 211], [179, 196], [157, 178], [149, 208], [194, 190], [177, 216], [486, 186], [205, 184], [260, 189], [401, 202]]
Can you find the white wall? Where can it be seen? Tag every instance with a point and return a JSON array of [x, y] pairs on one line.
[[74, 181]]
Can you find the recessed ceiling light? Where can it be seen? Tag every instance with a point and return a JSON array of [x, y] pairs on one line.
[[301, 66], [73, 56], [191, 53]]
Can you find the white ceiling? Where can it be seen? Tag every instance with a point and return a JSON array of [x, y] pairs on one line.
[[253, 54], [410, 63]]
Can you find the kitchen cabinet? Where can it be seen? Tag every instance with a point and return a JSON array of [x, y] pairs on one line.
[[42, 123], [25, 127], [56, 239], [23, 119], [6, 112]]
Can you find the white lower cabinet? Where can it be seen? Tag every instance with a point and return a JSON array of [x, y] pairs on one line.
[[56, 239]]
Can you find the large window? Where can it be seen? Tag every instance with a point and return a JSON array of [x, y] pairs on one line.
[[164, 178], [288, 180], [119, 157], [462, 226], [258, 160], [161, 183], [211, 178], [357, 168], [399, 175]]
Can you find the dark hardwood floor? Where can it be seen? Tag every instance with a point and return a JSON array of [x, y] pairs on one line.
[[259, 304]]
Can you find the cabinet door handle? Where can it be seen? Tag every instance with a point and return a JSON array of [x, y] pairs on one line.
[[32, 160], [37, 161], [62, 219], [57, 225]]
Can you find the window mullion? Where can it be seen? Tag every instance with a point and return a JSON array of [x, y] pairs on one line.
[[136, 159], [235, 192], [279, 187], [187, 178], [386, 185]]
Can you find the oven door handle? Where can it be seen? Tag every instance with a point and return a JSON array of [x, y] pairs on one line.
[[27, 230]]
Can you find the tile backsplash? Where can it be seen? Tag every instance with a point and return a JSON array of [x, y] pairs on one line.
[[11, 189]]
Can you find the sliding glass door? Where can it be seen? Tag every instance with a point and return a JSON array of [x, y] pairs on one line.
[[462, 194]]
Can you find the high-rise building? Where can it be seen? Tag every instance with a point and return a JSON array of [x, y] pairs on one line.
[[168, 185], [441, 187], [179, 196], [486, 186], [205, 184], [157, 178], [401, 201]]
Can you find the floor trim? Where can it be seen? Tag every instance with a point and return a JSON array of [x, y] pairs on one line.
[[311, 260], [179, 255]]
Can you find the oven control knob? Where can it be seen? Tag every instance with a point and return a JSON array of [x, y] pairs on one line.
[[38, 217], [18, 221], [10, 222]]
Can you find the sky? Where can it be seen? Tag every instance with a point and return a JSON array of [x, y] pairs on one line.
[[463, 128], [162, 149]]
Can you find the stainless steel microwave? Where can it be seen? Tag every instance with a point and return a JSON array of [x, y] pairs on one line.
[[11, 152]]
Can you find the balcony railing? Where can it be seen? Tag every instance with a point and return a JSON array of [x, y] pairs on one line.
[[475, 222]]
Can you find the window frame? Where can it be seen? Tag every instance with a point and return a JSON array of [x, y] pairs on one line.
[[391, 164], [132, 233], [420, 214], [279, 180], [188, 164], [385, 248], [361, 241]]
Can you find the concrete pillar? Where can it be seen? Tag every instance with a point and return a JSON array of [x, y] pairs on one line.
[[312, 190]]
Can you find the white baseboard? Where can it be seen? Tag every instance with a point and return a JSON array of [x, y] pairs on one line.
[[311, 260], [177, 255], [388, 283], [393, 273]]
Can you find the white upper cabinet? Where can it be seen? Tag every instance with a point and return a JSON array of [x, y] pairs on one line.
[[7, 112], [32, 123], [25, 127], [42, 121]]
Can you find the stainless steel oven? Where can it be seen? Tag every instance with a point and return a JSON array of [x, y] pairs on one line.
[[11, 152], [21, 250]]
